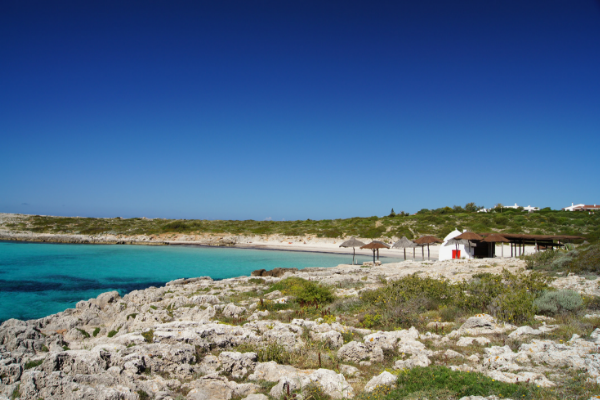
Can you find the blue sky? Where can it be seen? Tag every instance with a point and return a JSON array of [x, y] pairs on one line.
[[296, 109]]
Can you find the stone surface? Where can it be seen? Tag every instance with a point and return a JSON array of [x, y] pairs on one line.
[[384, 379]]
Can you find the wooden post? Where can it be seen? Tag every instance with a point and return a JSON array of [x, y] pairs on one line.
[[502, 248], [428, 251], [414, 248], [511, 249], [422, 253], [405, 254], [377, 254]]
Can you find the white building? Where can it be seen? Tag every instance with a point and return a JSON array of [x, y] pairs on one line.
[[582, 207], [531, 209], [515, 206], [447, 251]]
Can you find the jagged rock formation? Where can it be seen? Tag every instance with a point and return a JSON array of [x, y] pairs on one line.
[[200, 339]]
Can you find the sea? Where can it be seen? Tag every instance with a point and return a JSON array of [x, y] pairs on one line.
[[39, 279]]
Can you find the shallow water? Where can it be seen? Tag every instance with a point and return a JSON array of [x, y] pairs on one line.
[[39, 279]]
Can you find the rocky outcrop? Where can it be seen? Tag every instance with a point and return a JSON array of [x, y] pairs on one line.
[[275, 272], [202, 339]]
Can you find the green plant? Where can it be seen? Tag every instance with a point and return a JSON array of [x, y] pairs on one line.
[[306, 292], [96, 332], [33, 364], [143, 395], [113, 333], [16, 393], [148, 336], [257, 281], [460, 384], [133, 315], [553, 302], [84, 333]]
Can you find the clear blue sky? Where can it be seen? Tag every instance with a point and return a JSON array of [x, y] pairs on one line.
[[296, 109]]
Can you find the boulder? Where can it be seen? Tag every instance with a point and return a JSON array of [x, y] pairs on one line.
[[237, 364], [384, 379], [357, 352], [276, 272], [419, 360]]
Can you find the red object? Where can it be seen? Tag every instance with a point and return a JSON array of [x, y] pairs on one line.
[[455, 254]]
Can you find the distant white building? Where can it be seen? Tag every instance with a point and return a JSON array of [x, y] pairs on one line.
[[531, 209], [515, 206], [484, 210], [582, 207]]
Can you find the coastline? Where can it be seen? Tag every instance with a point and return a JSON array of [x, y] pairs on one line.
[[276, 242]]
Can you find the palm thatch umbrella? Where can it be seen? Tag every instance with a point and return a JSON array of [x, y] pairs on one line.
[[495, 238], [352, 242], [375, 245], [427, 240], [403, 244], [469, 236]]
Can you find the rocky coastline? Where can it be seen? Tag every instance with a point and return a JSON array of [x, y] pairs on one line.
[[201, 339]]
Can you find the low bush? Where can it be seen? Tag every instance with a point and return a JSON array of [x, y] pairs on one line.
[[561, 301], [306, 292], [84, 333], [400, 303], [96, 332], [113, 333], [148, 336], [460, 384], [33, 364]]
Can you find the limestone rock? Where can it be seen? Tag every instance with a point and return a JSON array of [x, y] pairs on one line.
[[356, 352], [419, 360], [384, 379], [233, 311], [467, 341], [214, 387], [237, 364]]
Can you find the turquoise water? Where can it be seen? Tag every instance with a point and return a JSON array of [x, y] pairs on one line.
[[39, 279]]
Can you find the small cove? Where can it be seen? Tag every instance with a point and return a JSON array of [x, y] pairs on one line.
[[39, 279]]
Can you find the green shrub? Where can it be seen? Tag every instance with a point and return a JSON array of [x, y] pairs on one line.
[[33, 364], [514, 306], [460, 384], [96, 332], [148, 336], [84, 333], [143, 395], [306, 292], [256, 281], [113, 333], [558, 302]]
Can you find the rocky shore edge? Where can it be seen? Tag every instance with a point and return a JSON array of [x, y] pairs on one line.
[[203, 339]]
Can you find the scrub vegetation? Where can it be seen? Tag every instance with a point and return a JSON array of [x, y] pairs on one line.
[[437, 222]]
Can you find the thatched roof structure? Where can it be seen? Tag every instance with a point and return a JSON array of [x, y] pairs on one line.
[[403, 243], [495, 238], [375, 244], [469, 236], [427, 240], [352, 242]]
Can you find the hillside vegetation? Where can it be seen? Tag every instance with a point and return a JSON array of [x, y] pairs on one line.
[[437, 222]]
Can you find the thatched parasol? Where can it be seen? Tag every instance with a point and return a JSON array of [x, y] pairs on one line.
[[352, 242], [403, 244], [495, 238], [375, 245], [469, 236], [427, 240]]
